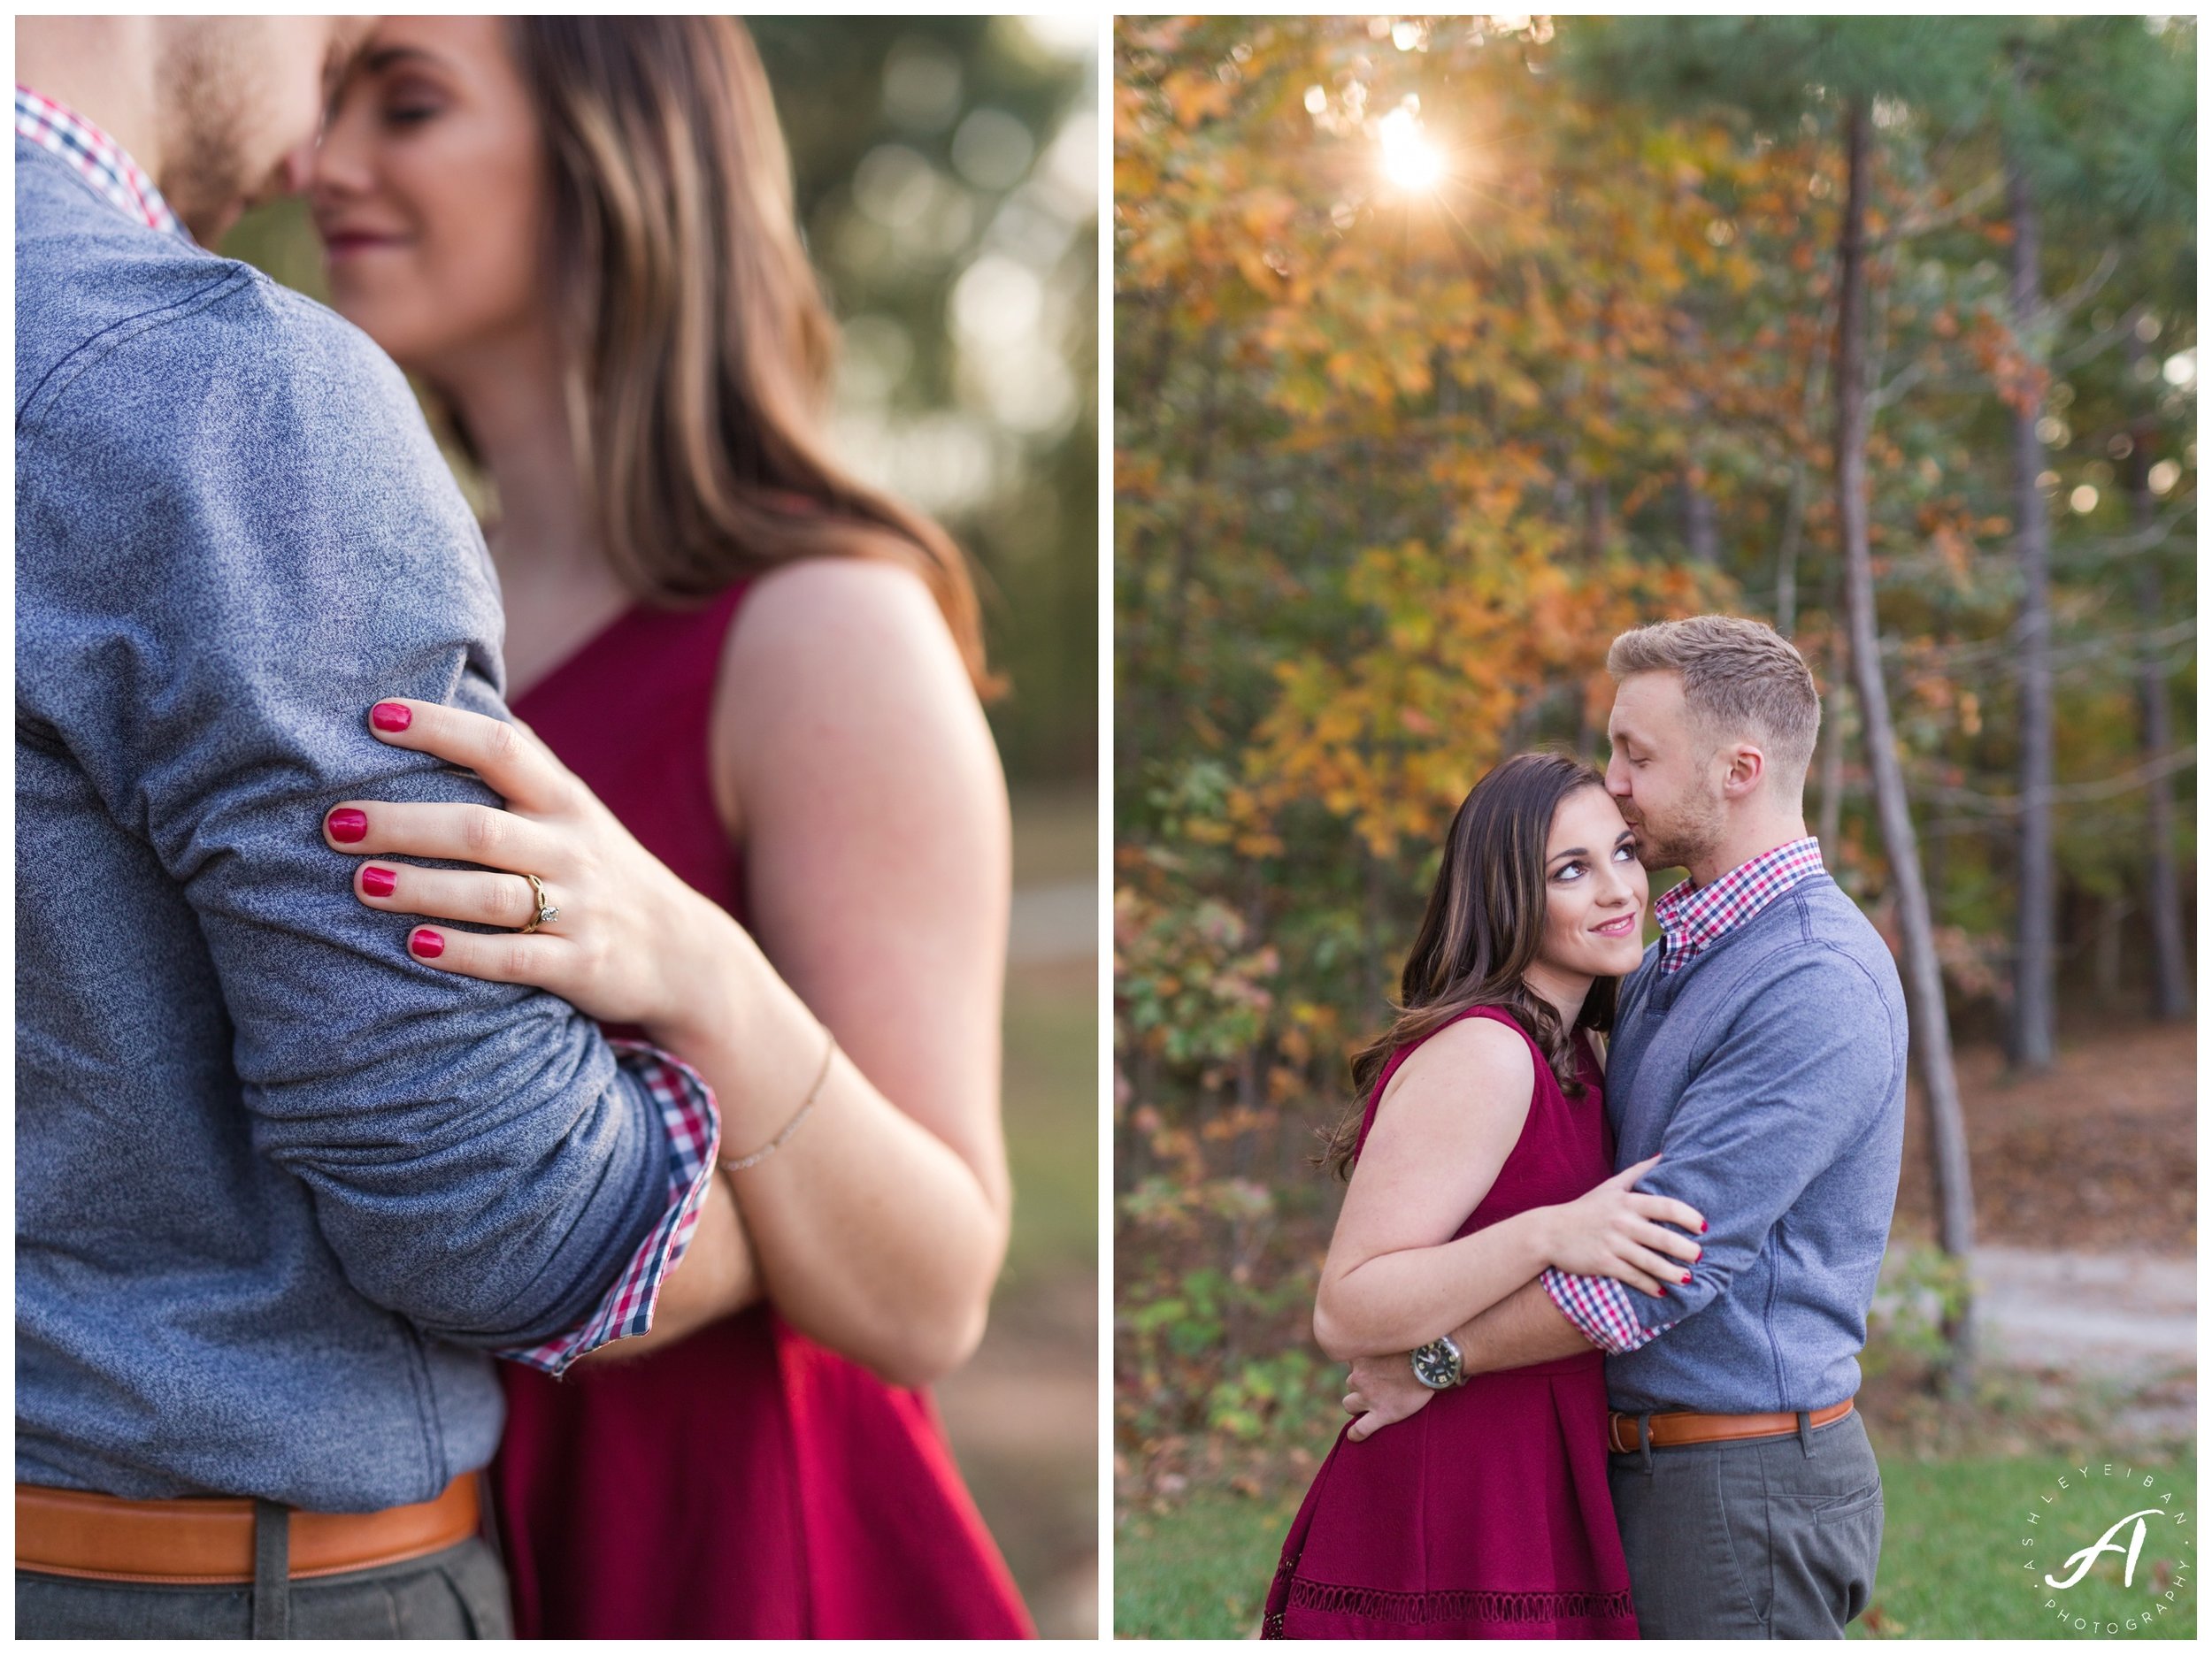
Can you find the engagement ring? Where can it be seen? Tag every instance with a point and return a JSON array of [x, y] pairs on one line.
[[546, 913]]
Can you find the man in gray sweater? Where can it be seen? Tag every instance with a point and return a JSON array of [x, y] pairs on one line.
[[282, 1193], [1760, 1050]]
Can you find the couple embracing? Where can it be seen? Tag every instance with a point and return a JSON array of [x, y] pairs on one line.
[[325, 1093], [1615, 1216]]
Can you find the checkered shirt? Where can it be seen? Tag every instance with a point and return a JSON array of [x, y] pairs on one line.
[[1691, 920], [695, 1133], [98, 158]]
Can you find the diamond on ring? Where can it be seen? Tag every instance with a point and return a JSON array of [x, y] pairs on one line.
[[546, 913]]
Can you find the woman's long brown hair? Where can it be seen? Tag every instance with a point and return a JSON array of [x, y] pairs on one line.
[[1481, 932], [697, 347]]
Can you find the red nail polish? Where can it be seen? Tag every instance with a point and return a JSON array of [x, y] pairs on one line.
[[1701, 1253], [1702, 1227], [348, 827], [1685, 1278], [427, 945], [391, 715], [378, 881], [1663, 1290]]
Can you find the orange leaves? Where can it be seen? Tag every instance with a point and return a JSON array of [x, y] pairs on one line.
[[1131, 103], [2021, 380], [1194, 96], [1470, 638], [1266, 212], [1489, 482]]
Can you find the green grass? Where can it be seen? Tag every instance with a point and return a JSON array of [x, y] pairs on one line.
[[1201, 1570], [1951, 1555]]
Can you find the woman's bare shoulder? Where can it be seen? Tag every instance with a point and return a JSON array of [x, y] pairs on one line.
[[855, 591], [841, 665], [1476, 1058]]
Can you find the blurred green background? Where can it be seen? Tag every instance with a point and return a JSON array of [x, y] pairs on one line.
[[948, 186]]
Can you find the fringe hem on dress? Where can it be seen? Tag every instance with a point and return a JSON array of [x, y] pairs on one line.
[[1500, 1608]]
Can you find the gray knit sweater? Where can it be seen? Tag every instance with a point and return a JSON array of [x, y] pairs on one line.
[[1770, 1073]]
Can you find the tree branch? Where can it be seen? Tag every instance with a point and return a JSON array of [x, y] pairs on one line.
[[1969, 800], [1961, 205]]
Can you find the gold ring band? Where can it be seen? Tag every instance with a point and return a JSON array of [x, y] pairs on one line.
[[546, 913]]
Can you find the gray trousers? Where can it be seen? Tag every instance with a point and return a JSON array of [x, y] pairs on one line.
[[1775, 1537], [458, 1593]]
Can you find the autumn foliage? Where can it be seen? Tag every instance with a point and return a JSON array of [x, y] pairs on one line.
[[1438, 362]]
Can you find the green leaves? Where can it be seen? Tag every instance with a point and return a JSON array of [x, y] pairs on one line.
[[1393, 466]]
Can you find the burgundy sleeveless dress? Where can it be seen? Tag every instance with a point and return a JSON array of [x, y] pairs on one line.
[[1487, 1515], [747, 1483]]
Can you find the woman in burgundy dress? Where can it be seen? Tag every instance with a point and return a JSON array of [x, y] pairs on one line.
[[1484, 1157], [775, 834]]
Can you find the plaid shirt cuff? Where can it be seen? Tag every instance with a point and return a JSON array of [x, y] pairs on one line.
[[694, 1132], [1601, 1308]]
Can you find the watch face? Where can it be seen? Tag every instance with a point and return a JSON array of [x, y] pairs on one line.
[[1435, 1366]]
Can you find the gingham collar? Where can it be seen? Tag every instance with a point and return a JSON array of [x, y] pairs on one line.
[[95, 158], [1693, 918]]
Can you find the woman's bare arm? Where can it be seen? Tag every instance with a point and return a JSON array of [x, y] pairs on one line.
[[854, 763], [1395, 1278]]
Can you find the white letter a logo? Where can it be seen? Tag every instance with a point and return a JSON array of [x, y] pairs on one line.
[[2087, 1555]]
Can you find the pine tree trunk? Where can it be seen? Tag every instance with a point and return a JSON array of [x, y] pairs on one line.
[[2038, 889], [1924, 978], [2168, 955]]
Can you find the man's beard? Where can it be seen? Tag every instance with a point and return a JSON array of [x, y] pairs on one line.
[[206, 172], [1689, 835]]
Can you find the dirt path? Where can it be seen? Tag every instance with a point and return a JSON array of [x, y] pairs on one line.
[[2097, 1155], [2117, 1314], [1052, 922]]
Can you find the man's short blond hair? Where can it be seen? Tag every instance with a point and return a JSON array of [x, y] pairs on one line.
[[1741, 678]]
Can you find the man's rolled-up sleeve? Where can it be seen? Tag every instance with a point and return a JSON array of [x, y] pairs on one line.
[[1602, 1310], [275, 544], [692, 1124]]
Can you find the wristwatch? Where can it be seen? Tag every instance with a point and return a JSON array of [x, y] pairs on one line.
[[1438, 1364]]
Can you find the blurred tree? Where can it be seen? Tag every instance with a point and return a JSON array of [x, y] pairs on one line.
[[2031, 1039], [947, 181], [2088, 133], [1837, 67]]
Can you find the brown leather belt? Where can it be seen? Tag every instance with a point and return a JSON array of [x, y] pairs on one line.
[[1672, 1430], [210, 1541]]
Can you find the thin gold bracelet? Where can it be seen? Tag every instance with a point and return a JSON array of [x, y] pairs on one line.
[[791, 1126]]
